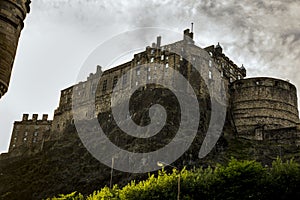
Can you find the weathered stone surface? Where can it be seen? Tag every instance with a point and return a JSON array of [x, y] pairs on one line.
[[12, 15]]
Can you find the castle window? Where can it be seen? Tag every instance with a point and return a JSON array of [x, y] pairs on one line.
[[35, 134], [152, 60], [167, 58], [167, 65], [26, 133], [211, 54], [104, 86], [257, 82], [152, 51], [138, 71], [210, 63], [138, 62], [15, 138], [124, 79], [162, 57], [222, 73], [14, 146], [209, 75], [24, 139], [231, 71], [115, 81], [231, 80], [194, 58], [181, 58], [149, 77], [136, 83]]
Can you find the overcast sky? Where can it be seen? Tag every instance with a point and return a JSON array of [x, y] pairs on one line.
[[264, 35]]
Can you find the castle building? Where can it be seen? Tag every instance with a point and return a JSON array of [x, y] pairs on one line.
[[254, 104], [30, 132], [12, 16]]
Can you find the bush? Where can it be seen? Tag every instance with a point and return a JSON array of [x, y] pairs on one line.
[[237, 180]]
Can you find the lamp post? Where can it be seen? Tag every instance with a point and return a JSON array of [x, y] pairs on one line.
[[111, 172], [162, 164]]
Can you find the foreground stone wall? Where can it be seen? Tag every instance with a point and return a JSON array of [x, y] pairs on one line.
[[12, 15]]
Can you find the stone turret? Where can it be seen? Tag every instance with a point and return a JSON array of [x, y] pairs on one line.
[[12, 16]]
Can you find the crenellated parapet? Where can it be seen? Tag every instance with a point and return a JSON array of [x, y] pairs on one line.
[[30, 131]]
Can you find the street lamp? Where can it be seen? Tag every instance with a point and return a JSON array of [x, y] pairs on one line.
[[162, 164], [111, 172]]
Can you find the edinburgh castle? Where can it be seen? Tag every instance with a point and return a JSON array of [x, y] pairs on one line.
[[257, 108]]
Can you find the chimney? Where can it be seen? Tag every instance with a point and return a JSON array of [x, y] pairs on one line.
[[158, 42], [25, 117], [34, 117], [45, 117], [188, 36], [99, 69]]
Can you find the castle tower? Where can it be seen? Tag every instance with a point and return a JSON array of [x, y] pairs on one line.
[[12, 16]]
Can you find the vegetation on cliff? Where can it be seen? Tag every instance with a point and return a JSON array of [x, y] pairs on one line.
[[237, 180]]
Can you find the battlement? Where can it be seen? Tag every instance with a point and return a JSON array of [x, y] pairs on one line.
[[34, 117]]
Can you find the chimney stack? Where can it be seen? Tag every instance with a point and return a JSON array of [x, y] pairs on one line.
[[158, 42]]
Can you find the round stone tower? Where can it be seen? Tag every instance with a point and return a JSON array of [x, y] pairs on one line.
[[263, 103], [12, 15]]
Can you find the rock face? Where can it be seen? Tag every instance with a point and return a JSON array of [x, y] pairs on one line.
[[64, 165], [12, 15]]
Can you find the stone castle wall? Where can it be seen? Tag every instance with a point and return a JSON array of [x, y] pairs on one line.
[[12, 15], [30, 132], [266, 103], [255, 104], [152, 64]]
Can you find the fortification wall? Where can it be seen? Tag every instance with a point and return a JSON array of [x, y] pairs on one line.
[[265, 103], [155, 64], [12, 15], [29, 132]]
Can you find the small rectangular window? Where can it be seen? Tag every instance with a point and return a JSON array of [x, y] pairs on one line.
[[138, 71], [209, 75], [210, 63], [167, 65], [115, 81], [124, 79], [152, 60], [104, 86], [162, 57]]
